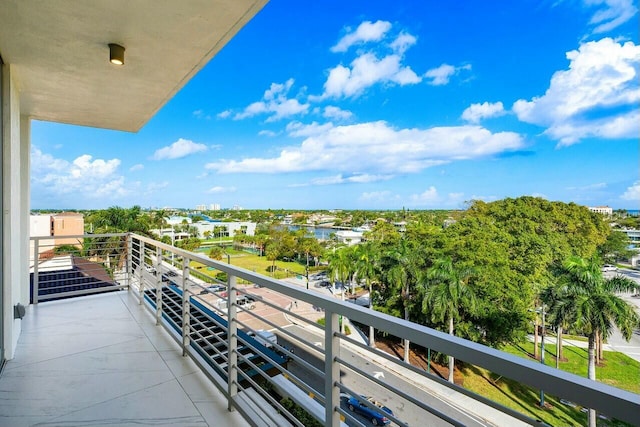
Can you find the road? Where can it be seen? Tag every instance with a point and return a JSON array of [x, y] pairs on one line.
[[403, 409]]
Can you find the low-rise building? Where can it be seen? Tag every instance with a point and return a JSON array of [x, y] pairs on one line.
[[224, 229], [604, 210]]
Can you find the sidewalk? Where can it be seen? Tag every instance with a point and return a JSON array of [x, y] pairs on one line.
[[575, 343]]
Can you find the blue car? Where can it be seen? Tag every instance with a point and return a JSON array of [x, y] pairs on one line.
[[377, 419]]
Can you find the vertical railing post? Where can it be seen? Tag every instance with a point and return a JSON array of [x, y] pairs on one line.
[[186, 306], [129, 264], [36, 274], [186, 322], [140, 268], [331, 368], [232, 342], [158, 287]]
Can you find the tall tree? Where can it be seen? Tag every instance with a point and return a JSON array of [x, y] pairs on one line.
[[447, 294], [596, 306], [366, 269], [402, 276]]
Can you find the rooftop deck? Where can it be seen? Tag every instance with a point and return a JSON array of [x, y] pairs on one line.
[[101, 360]]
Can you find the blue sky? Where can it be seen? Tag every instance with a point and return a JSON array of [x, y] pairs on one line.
[[380, 105]]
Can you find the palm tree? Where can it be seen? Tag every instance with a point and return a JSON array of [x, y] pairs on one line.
[[366, 269], [447, 294], [402, 274], [596, 306], [560, 311], [340, 269]]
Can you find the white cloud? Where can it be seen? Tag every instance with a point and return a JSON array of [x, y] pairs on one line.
[[336, 113], [296, 129], [441, 75], [484, 198], [596, 97], [403, 42], [219, 189], [367, 70], [137, 167], [597, 186], [379, 63], [376, 196], [155, 186], [41, 162], [268, 133], [84, 177], [367, 31], [632, 193], [200, 114], [224, 114], [428, 197], [356, 178], [612, 14], [275, 103], [377, 147], [476, 112], [180, 148]]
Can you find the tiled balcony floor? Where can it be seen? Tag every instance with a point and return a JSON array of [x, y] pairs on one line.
[[100, 360]]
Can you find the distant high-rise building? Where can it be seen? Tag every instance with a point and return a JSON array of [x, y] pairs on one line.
[[214, 207], [236, 208], [201, 208]]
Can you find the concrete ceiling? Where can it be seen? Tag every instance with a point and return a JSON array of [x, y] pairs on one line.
[[60, 55]]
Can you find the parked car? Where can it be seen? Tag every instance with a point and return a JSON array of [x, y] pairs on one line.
[[376, 417], [213, 288], [246, 303], [609, 267]]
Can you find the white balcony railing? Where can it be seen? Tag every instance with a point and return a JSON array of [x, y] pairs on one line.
[[218, 324]]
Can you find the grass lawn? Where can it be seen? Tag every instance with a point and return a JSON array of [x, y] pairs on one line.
[[256, 263], [617, 370]]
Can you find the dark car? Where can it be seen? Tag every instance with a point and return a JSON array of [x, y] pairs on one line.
[[376, 417]]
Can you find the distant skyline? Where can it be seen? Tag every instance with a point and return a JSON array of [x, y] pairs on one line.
[[378, 105]]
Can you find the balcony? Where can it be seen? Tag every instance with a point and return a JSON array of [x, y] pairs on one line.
[[145, 337]]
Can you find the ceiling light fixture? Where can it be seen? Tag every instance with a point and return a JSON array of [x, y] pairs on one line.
[[116, 54]]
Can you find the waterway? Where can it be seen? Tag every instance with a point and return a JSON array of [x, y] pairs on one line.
[[320, 233]]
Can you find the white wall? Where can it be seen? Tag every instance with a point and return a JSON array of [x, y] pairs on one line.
[[14, 244]]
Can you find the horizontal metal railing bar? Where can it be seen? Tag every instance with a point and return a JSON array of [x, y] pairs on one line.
[[79, 236], [269, 398], [75, 281], [610, 400], [262, 392], [443, 382], [45, 297], [350, 417], [284, 350], [291, 335], [400, 393], [282, 370], [350, 392]]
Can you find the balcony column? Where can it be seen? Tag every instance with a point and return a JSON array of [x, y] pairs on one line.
[[14, 284], [331, 368], [232, 341], [25, 203]]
